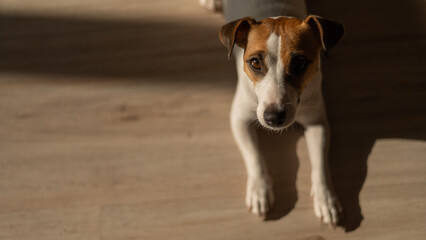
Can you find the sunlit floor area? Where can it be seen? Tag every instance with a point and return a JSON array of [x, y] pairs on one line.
[[115, 125]]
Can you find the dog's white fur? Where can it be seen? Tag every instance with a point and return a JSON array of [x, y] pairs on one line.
[[250, 102]]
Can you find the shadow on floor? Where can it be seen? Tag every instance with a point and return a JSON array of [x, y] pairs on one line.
[[109, 49], [374, 87]]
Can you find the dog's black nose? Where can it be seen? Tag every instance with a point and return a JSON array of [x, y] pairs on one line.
[[274, 118]]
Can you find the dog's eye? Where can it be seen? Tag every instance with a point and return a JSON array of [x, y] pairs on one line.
[[298, 65], [255, 63]]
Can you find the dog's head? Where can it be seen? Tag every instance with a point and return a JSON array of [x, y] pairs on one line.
[[281, 56]]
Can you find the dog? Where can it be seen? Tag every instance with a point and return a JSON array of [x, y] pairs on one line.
[[277, 52]]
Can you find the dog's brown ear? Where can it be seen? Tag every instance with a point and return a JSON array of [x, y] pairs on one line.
[[330, 32], [236, 32]]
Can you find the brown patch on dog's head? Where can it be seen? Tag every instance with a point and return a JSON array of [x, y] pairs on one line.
[[299, 51], [257, 49], [301, 43]]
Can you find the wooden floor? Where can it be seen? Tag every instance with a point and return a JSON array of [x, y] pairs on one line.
[[114, 125]]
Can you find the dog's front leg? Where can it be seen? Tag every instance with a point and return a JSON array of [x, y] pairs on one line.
[[326, 205], [259, 195]]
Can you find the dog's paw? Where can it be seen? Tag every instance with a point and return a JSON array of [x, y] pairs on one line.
[[326, 205], [259, 195]]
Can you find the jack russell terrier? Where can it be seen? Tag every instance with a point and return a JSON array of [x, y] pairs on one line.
[[279, 83]]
